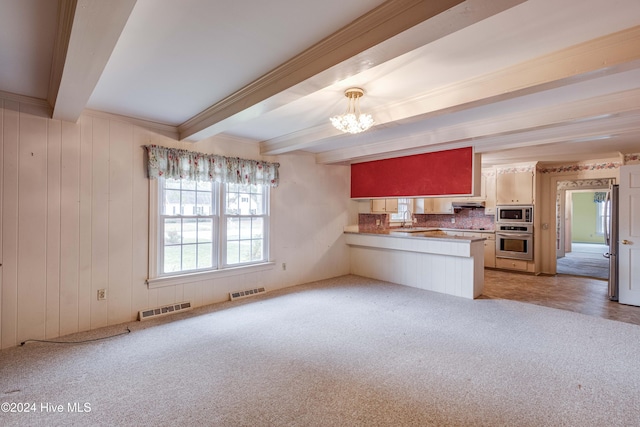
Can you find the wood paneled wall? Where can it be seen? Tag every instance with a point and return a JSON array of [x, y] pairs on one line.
[[74, 219]]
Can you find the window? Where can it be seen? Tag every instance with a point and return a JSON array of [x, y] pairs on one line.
[[602, 219], [188, 222], [204, 225], [404, 211], [246, 222]]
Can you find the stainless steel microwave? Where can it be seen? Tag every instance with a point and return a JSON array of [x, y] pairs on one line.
[[507, 213]]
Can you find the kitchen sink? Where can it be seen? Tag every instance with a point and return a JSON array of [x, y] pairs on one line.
[[410, 230]]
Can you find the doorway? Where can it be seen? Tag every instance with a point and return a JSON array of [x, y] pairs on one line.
[[580, 228]]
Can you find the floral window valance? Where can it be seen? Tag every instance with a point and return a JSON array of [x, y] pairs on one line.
[[182, 164]]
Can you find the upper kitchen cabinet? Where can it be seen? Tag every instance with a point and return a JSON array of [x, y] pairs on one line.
[[489, 180], [438, 205], [515, 185], [384, 206]]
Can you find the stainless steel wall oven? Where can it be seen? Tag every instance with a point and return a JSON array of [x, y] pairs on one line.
[[514, 240]]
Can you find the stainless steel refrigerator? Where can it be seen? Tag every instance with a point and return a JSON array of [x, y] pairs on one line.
[[611, 239]]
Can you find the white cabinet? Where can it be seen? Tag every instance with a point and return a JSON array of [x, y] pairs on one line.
[[490, 191], [515, 264], [384, 206], [438, 205], [489, 247], [515, 188]]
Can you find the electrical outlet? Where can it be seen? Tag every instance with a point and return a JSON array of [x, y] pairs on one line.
[[453, 220], [102, 294], [284, 265]]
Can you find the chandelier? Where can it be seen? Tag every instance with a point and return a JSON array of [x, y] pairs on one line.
[[352, 121]]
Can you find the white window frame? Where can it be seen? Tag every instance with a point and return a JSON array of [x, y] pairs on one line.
[[404, 204], [157, 280], [224, 216], [215, 220], [602, 217]]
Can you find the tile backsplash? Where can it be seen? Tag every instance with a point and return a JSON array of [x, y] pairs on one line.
[[464, 219]]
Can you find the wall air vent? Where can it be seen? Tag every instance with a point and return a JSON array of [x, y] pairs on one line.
[[164, 310], [244, 294]]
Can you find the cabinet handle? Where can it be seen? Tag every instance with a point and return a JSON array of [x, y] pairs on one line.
[[626, 242]]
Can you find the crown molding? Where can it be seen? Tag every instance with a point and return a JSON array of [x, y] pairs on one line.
[[159, 128], [28, 100]]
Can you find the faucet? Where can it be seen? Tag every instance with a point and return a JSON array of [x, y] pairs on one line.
[[404, 219]]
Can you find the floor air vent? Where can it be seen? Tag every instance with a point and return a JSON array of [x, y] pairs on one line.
[[164, 310], [244, 294]]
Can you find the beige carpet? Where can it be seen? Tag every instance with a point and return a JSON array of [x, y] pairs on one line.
[[585, 260], [342, 352]]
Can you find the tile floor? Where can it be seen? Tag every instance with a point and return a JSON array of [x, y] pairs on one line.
[[579, 294]]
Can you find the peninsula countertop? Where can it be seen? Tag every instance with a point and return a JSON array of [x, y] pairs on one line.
[[420, 232], [422, 257]]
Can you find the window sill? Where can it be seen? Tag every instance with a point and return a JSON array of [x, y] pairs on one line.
[[160, 282]]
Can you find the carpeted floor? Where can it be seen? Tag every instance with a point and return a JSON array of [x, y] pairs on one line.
[[348, 351], [585, 260]]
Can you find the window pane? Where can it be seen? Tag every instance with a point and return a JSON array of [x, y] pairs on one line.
[[189, 230], [188, 203], [244, 203], [233, 249], [205, 259], [232, 204], [233, 228], [245, 228], [171, 205], [256, 253], [205, 230], [204, 206], [172, 260], [189, 257], [256, 228], [172, 231], [245, 250], [256, 204]]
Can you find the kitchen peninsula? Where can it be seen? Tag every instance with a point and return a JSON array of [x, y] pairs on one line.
[[424, 258]]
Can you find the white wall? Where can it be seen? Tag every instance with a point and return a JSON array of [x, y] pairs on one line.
[[74, 219]]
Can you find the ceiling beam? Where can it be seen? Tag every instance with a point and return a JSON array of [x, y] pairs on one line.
[[592, 117], [603, 56], [386, 21], [87, 34]]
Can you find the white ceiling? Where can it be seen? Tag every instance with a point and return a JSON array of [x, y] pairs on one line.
[[543, 80]]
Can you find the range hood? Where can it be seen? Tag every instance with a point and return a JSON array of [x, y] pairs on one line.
[[463, 204]]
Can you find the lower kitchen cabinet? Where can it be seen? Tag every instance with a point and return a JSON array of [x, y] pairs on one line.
[[515, 264], [490, 250], [489, 247]]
